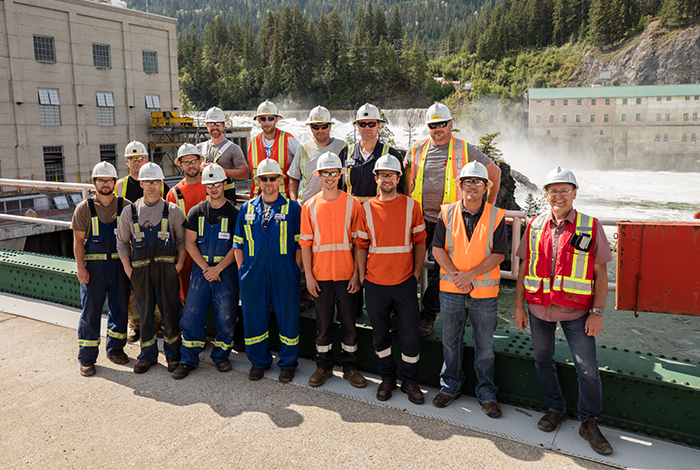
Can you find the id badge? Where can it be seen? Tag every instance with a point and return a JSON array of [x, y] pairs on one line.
[[224, 236], [138, 235], [163, 235], [250, 217], [280, 216], [350, 162]]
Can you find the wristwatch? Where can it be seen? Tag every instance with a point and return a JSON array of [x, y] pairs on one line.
[[598, 311]]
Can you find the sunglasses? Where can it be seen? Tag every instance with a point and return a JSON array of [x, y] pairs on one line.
[[265, 179], [214, 185], [136, 159], [269, 118], [329, 174], [435, 125], [367, 124], [317, 127]]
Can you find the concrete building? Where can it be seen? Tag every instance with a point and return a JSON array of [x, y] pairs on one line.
[[655, 127], [78, 80]]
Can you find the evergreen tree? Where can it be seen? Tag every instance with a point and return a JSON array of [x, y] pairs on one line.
[[380, 31], [395, 28]]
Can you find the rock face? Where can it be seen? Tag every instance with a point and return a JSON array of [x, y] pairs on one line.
[[659, 56], [506, 194]]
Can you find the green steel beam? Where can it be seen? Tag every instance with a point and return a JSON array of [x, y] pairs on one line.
[[643, 393]]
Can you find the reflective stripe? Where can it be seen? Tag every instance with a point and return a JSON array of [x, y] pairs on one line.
[[224, 224], [331, 247], [222, 345], [172, 340], [289, 341], [115, 255], [200, 225], [323, 349], [89, 343], [151, 342], [347, 348], [181, 204], [95, 257], [164, 224], [419, 228], [193, 344], [318, 246], [95, 226], [448, 232], [237, 240], [283, 227], [257, 339], [579, 262], [453, 164], [486, 282], [213, 259], [407, 247], [141, 263], [385, 353], [532, 280], [388, 250], [296, 238], [306, 237], [410, 359], [164, 259], [362, 235], [249, 232], [115, 334]]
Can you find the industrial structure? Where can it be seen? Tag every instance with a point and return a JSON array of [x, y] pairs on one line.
[[655, 127]]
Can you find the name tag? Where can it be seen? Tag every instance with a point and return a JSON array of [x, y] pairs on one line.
[[138, 235], [163, 235], [115, 232], [224, 235], [280, 216], [350, 162], [250, 217]]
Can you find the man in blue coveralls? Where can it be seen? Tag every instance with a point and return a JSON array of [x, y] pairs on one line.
[[214, 279], [266, 244], [100, 272]]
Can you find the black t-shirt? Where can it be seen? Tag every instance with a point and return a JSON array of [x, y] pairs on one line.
[[211, 215], [500, 236], [134, 190]]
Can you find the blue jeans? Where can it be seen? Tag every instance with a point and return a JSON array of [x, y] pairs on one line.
[[483, 314], [583, 351]]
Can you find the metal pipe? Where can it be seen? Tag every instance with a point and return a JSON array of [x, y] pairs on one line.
[[35, 220], [49, 185]]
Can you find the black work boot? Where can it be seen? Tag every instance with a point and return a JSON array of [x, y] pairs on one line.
[[589, 431]]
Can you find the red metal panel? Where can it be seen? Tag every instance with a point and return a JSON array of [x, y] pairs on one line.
[[658, 267]]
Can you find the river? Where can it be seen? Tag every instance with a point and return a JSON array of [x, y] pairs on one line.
[[610, 194]]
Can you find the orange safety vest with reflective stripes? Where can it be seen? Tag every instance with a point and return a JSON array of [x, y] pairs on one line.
[[574, 269], [278, 153], [456, 158], [467, 254]]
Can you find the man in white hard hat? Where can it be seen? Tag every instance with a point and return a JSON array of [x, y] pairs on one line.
[[469, 244], [136, 156], [564, 278], [214, 281], [329, 224], [303, 185], [359, 159], [434, 165], [186, 194], [151, 245], [266, 246], [100, 272], [218, 149], [393, 233], [271, 143]]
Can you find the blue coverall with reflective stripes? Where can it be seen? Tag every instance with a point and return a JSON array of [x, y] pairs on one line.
[[270, 275]]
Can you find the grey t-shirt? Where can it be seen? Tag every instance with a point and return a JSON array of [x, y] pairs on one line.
[[149, 216], [434, 175], [231, 158], [304, 165]]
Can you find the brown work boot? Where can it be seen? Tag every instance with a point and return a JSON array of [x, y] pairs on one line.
[[142, 367], [415, 395], [551, 420], [384, 390], [426, 329], [492, 409], [442, 400], [118, 357], [319, 377], [589, 431], [134, 336], [355, 378], [87, 369]]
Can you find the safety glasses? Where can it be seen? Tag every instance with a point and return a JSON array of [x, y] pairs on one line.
[[317, 127], [269, 118], [271, 179], [435, 125], [367, 124]]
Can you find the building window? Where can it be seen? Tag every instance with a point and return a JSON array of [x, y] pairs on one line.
[[665, 137], [692, 137], [638, 117], [601, 132], [668, 116], [548, 132], [695, 116], [44, 50], [551, 118], [551, 102], [684, 138], [658, 98], [574, 134], [697, 97], [639, 101], [538, 118], [624, 101], [564, 118], [105, 109], [539, 101], [593, 100], [108, 153], [624, 117], [566, 102], [658, 116], [607, 101], [592, 117], [685, 116], [49, 107], [687, 98], [578, 118], [100, 56], [657, 137], [150, 62], [153, 102], [578, 101], [668, 98], [53, 163], [624, 135]]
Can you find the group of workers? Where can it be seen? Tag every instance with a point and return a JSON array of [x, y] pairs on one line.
[[352, 222]]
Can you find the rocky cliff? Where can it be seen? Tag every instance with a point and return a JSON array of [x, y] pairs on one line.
[[659, 56]]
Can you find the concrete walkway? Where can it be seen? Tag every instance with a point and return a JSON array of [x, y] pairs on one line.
[[51, 417]]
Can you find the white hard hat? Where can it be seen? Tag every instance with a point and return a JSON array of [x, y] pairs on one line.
[[150, 171], [368, 111], [319, 115], [328, 161], [438, 112], [104, 170], [389, 163], [267, 108], [268, 167], [135, 148], [213, 174], [560, 175], [187, 149], [215, 115], [474, 170]]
